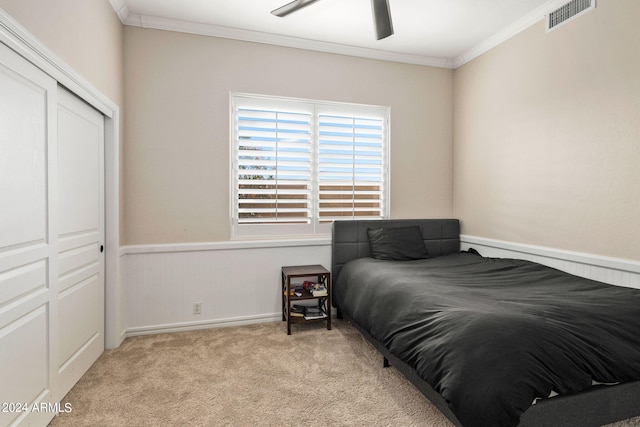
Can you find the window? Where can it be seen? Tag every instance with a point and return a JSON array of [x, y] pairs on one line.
[[298, 165]]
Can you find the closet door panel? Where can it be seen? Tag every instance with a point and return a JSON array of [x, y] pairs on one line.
[[23, 159], [28, 242], [25, 367], [80, 147], [80, 204]]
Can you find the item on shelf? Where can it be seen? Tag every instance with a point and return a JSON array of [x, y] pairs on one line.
[[319, 291], [297, 310], [311, 313]]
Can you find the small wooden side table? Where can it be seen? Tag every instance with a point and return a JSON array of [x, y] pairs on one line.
[[289, 297]]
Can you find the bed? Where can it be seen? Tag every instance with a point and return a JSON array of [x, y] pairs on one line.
[[490, 342]]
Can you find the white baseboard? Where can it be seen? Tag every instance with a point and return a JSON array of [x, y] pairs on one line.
[[120, 339], [206, 324], [614, 271]]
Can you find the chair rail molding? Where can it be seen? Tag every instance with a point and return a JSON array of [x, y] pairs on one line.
[[614, 271]]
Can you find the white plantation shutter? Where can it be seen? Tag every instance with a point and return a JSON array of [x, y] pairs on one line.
[[298, 165], [350, 167], [274, 166]]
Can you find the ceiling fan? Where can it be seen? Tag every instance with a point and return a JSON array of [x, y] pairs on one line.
[[381, 14]]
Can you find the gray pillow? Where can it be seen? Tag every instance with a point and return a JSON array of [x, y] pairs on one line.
[[397, 243]]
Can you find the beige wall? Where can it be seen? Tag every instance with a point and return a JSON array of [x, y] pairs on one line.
[[547, 136], [177, 153], [545, 127], [86, 34]]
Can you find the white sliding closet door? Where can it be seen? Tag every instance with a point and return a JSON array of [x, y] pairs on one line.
[[51, 237], [80, 204], [28, 243]]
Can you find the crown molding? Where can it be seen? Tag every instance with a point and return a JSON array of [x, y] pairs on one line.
[[121, 9], [508, 32], [497, 39], [158, 23]]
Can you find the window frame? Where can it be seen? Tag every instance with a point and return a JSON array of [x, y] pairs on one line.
[[315, 108]]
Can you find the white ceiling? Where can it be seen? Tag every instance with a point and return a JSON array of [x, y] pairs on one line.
[[443, 33]]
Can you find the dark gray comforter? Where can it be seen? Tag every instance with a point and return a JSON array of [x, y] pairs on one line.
[[489, 334]]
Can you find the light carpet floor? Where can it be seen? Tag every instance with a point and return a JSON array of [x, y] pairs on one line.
[[254, 375]]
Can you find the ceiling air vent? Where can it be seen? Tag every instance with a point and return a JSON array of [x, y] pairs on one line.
[[568, 12]]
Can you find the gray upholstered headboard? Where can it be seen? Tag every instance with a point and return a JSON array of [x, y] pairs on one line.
[[350, 239]]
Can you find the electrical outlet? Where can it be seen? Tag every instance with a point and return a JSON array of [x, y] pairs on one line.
[[197, 307]]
